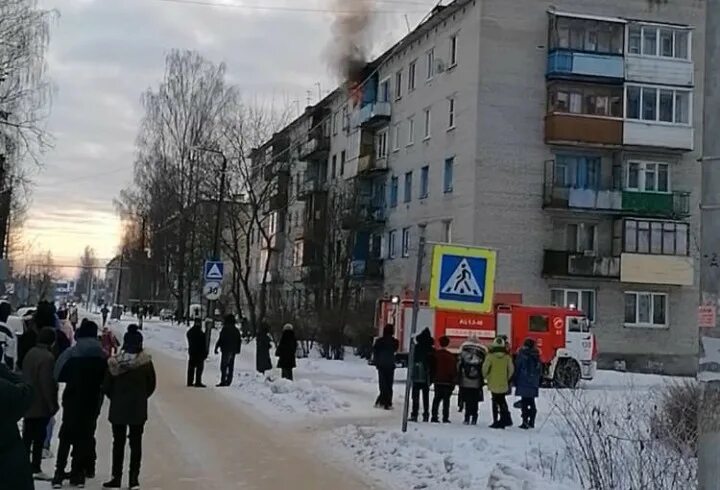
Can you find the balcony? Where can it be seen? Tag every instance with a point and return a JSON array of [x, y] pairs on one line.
[[278, 201], [675, 205], [561, 128], [374, 115], [658, 70], [309, 187], [558, 263], [365, 216], [658, 135], [368, 164], [316, 148], [673, 270], [367, 269], [567, 63]]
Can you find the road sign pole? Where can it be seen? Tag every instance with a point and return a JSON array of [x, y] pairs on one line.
[[413, 327]]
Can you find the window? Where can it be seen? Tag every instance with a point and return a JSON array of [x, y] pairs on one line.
[[384, 93], [658, 104], [648, 310], [392, 238], [396, 137], [666, 42], [426, 131], [398, 85], [585, 99], [333, 168], [345, 119], [451, 113], [587, 35], [406, 242], [656, 237], [580, 299], [424, 186], [342, 163], [538, 323], [447, 231], [408, 187], [335, 123], [453, 50], [411, 130], [648, 177], [394, 192], [581, 237], [298, 253], [412, 75], [430, 62], [448, 175], [577, 171], [381, 144]]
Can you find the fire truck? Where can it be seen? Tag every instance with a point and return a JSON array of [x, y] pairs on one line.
[[568, 348]]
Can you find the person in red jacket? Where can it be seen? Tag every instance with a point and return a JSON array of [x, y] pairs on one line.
[[445, 379]]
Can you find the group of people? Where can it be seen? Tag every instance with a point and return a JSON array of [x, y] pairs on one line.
[[92, 366], [475, 367], [229, 345]]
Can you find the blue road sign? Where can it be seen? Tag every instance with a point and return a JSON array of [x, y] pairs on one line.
[[463, 278], [213, 271]]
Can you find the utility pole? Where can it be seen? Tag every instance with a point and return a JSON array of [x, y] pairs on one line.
[[709, 338]]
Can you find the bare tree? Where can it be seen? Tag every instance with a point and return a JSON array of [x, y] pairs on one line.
[[88, 263], [42, 274]]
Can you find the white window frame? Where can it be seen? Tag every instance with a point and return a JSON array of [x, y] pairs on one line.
[[398, 84], [579, 235], [430, 60], [447, 231], [335, 123], [642, 176], [298, 247], [652, 294], [412, 75], [392, 238], [451, 112], [396, 138], [381, 144], [345, 119], [658, 88], [427, 119], [385, 81], [657, 28], [454, 50], [424, 192], [579, 293], [411, 131], [405, 242]]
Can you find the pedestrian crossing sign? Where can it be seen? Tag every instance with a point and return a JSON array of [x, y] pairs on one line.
[[213, 271], [463, 278]]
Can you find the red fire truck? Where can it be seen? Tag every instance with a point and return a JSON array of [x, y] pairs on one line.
[[568, 348]]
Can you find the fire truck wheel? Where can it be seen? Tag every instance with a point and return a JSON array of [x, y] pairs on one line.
[[567, 374]]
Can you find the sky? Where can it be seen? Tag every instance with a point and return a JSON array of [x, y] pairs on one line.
[[104, 53]]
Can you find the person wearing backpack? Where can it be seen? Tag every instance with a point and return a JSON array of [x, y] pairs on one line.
[[470, 382], [422, 374], [498, 371]]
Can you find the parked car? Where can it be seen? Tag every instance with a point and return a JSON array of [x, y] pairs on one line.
[[166, 314]]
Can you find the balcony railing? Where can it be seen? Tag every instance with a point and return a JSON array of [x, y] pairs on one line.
[[311, 186], [316, 148], [573, 264], [367, 269], [374, 115], [368, 164], [364, 216], [562, 128], [568, 63]]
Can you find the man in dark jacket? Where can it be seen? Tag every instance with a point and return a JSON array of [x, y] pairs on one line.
[[16, 396], [445, 377], [129, 383], [229, 343], [422, 374], [197, 353], [528, 371], [384, 352], [82, 369], [38, 373], [286, 349]]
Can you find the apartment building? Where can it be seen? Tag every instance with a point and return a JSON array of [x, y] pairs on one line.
[[564, 134]]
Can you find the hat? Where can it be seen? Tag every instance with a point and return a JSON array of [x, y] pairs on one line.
[[46, 336], [499, 342], [287, 326], [472, 339], [87, 328], [529, 343], [132, 341]]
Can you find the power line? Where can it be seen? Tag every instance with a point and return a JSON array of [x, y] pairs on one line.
[[209, 3]]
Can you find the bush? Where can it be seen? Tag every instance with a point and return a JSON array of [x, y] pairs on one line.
[[675, 418]]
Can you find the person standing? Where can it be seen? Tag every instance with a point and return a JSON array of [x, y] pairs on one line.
[[104, 312], [384, 351], [7, 337], [470, 378], [109, 342], [38, 373], [16, 397], [286, 350], [129, 382], [262, 355], [73, 316], [82, 369], [229, 343], [197, 353], [422, 374], [445, 377], [528, 374], [497, 371]]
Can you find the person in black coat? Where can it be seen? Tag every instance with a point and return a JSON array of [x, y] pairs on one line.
[[16, 396], [262, 354], [230, 344], [286, 352], [384, 351], [422, 375], [197, 353], [82, 369], [528, 374]]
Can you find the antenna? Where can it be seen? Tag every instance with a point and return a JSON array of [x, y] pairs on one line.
[[407, 23], [309, 97], [319, 91]]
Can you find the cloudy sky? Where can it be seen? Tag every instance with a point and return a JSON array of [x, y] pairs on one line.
[[105, 53]]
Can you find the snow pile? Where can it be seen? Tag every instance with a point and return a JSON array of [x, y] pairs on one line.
[[508, 477], [291, 396]]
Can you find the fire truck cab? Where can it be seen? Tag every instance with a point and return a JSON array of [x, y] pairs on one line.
[[567, 347]]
